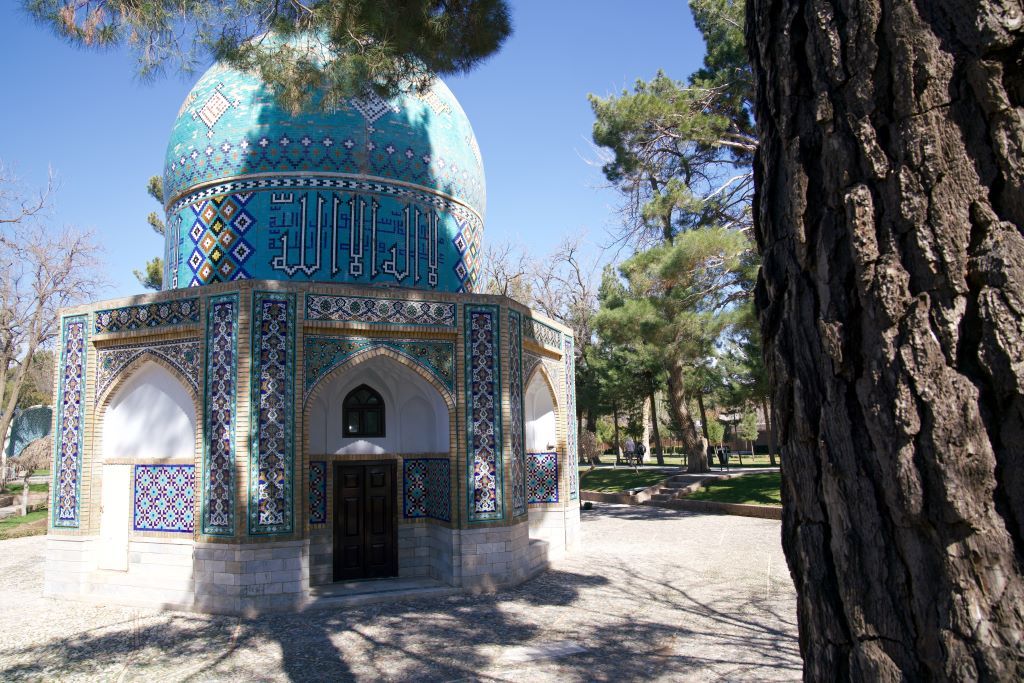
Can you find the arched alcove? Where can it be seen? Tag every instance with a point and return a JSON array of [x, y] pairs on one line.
[[150, 417], [416, 413], [541, 431]]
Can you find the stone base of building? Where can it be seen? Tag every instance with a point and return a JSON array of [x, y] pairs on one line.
[[253, 578]]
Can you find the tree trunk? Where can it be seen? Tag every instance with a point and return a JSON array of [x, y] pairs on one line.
[[693, 443], [618, 444], [771, 431], [890, 215], [24, 495], [645, 413], [703, 416], [659, 452]]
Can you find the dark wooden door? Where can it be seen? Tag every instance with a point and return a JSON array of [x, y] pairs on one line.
[[365, 534]]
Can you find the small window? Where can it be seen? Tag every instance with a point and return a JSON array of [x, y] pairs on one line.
[[363, 412]]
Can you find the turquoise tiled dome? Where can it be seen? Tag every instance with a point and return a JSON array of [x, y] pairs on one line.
[[364, 190]]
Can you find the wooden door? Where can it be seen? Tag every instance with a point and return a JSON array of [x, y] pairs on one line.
[[365, 525]]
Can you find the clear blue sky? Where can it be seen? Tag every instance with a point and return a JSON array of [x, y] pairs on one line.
[[104, 133]]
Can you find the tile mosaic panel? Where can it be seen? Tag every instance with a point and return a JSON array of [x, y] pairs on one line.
[[517, 437], [390, 311], [426, 488], [483, 412], [530, 364], [571, 455], [318, 492], [324, 353], [70, 423], [541, 333], [219, 243], [147, 316], [219, 414], [164, 498], [542, 478], [359, 230], [182, 355], [272, 398]]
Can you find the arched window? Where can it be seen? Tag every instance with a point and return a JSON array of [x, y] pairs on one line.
[[363, 412]]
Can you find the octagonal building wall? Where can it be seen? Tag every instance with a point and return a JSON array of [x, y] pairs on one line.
[[250, 521]]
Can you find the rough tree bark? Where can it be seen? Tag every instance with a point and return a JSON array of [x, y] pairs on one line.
[[890, 217], [694, 444]]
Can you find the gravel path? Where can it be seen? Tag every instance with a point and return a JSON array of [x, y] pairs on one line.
[[656, 595]]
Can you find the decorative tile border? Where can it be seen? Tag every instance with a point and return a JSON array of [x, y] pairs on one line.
[[324, 353], [318, 492], [483, 412], [570, 418], [164, 498], [542, 478], [386, 311], [67, 478], [182, 355], [219, 415], [541, 333], [272, 431], [517, 437], [426, 488], [147, 316]]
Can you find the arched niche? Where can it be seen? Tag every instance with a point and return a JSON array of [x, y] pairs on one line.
[[416, 412], [150, 417], [539, 408]]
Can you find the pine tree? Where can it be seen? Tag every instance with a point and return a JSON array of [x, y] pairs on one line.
[[387, 44]]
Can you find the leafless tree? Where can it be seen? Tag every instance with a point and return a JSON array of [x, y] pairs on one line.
[[507, 271], [42, 269], [34, 456]]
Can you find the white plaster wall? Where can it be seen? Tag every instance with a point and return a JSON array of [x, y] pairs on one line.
[[151, 418], [416, 416], [540, 417]]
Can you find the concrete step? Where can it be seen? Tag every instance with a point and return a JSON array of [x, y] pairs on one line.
[[359, 593]]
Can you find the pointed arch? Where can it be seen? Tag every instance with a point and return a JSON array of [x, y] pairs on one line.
[[163, 433], [369, 353]]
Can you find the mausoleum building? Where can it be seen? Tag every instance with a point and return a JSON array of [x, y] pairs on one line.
[[317, 397]]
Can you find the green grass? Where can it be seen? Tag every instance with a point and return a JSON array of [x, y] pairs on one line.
[[750, 489], [680, 461], [34, 523], [41, 472], [18, 487], [607, 480]]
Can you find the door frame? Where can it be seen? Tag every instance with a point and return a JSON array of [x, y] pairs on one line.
[[395, 495]]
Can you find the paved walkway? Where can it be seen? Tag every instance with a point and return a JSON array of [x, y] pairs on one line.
[[656, 595]]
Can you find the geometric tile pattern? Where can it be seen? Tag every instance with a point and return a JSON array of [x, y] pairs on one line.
[[530, 363], [318, 492], [541, 333], [483, 412], [324, 354], [218, 231], [391, 311], [147, 316], [542, 477], [515, 393], [220, 416], [427, 488], [271, 395], [165, 498], [182, 355], [232, 124], [570, 418], [364, 231], [70, 423]]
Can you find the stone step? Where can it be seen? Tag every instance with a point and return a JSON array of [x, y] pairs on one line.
[[359, 593]]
